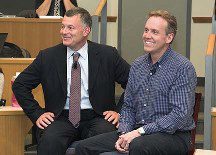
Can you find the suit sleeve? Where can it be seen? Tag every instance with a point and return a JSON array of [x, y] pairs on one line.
[[121, 75], [29, 79]]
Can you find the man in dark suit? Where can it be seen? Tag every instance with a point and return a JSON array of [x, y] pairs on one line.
[[100, 66]]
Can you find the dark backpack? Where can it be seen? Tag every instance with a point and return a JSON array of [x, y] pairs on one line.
[[11, 50]]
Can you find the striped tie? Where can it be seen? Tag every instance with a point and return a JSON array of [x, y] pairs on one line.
[[56, 8], [75, 91]]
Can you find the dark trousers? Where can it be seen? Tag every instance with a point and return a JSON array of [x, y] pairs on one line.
[[57, 137], [154, 144]]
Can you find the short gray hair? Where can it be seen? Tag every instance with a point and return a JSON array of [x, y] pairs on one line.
[[84, 15]]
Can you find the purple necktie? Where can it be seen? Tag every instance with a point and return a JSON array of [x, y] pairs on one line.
[[75, 91]]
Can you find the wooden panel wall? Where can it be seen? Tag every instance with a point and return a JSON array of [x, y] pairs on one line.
[[13, 131], [32, 34]]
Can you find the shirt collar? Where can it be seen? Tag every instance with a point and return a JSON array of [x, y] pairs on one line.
[[82, 51], [162, 59]]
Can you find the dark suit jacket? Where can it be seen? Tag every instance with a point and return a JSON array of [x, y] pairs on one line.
[[50, 70], [51, 10]]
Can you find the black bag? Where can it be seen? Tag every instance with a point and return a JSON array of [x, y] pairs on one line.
[[11, 50], [28, 14]]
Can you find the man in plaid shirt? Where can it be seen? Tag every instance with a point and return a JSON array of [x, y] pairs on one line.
[[156, 118]]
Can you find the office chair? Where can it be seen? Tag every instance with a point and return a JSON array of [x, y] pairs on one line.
[[195, 117]]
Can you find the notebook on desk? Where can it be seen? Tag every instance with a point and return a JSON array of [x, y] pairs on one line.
[[3, 37]]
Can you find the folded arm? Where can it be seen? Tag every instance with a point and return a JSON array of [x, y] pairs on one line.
[[43, 9]]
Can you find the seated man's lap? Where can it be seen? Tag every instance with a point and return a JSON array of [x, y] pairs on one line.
[[160, 143], [62, 127], [100, 143], [61, 132], [95, 126], [58, 131]]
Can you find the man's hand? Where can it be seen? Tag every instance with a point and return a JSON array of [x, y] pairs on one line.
[[44, 120], [125, 139], [112, 116], [118, 146]]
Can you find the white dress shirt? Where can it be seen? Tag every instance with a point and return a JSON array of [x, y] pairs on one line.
[[83, 61]]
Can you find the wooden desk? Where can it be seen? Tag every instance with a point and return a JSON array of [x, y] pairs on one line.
[[32, 34], [213, 113], [204, 152], [14, 126], [10, 66]]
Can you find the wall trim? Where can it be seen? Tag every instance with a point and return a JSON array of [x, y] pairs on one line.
[[202, 19]]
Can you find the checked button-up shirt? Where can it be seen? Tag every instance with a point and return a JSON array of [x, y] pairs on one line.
[[159, 97]]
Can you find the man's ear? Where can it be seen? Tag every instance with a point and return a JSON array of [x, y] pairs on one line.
[[86, 31], [170, 38]]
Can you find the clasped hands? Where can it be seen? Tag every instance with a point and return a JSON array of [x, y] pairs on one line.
[[122, 144]]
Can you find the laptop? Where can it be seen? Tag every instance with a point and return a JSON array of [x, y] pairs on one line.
[[3, 37]]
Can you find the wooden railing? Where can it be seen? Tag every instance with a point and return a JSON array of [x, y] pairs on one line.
[[101, 10], [210, 82], [202, 19], [210, 88], [211, 44], [100, 7]]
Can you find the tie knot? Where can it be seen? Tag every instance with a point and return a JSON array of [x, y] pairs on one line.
[[75, 59], [76, 56]]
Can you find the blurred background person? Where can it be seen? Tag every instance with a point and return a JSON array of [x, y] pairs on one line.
[[54, 7]]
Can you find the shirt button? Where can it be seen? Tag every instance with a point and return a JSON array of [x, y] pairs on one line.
[[144, 105], [150, 73], [147, 89], [159, 66]]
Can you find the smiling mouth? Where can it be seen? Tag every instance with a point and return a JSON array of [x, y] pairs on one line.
[[148, 43], [66, 38]]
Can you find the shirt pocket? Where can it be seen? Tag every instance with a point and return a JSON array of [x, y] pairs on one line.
[[162, 85], [160, 95]]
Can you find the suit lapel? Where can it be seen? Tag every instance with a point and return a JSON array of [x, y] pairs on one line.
[[94, 63], [61, 66]]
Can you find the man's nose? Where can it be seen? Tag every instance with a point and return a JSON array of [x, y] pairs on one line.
[[146, 34], [64, 30]]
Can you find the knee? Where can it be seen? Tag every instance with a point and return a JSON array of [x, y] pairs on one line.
[[79, 148], [51, 140], [135, 145], [139, 147]]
